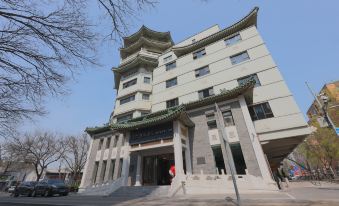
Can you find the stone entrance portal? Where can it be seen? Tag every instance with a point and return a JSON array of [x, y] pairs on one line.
[[156, 169]]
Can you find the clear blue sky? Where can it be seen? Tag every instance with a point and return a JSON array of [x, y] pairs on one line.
[[302, 36]]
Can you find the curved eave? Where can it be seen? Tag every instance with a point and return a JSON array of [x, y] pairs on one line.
[[131, 64], [143, 41], [144, 31], [247, 21], [178, 112]]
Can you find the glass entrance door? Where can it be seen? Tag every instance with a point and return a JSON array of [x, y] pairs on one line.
[[149, 170], [156, 169]]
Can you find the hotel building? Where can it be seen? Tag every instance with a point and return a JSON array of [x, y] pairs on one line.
[[166, 110]]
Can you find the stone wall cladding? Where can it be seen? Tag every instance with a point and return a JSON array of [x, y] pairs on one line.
[[200, 146], [252, 164]]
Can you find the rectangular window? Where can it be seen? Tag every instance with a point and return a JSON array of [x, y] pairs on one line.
[[129, 83], [103, 171], [211, 122], [238, 58], [199, 54], [147, 80], [171, 82], [228, 118], [243, 80], [108, 142], [124, 118], [112, 169], [206, 93], [95, 172], [145, 96], [128, 74], [202, 71], [127, 99], [171, 65], [233, 40], [172, 103], [144, 113], [115, 143], [169, 58], [260, 111], [100, 144], [120, 167]]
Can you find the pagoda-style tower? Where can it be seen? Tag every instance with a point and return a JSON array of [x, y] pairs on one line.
[[133, 77]]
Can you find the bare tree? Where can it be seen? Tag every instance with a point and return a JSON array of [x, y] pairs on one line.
[[41, 45], [39, 149], [75, 154]]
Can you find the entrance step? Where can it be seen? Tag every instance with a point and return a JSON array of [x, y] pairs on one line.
[[133, 192]]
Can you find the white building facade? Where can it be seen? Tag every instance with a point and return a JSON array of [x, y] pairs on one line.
[[165, 114]]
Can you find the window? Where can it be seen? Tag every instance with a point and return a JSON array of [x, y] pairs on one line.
[[169, 58], [95, 172], [172, 103], [100, 144], [147, 80], [103, 171], [260, 111], [116, 138], [112, 169], [127, 99], [228, 118], [206, 93], [171, 65], [145, 96], [211, 122], [238, 58], [233, 40], [128, 74], [144, 113], [124, 118], [129, 83], [171, 82], [243, 80], [199, 54], [108, 142], [202, 71]]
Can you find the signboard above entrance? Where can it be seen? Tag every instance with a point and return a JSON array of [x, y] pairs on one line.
[[150, 134]]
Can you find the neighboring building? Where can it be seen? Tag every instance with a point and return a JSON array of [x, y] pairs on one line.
[[165, 114], [331, 90]]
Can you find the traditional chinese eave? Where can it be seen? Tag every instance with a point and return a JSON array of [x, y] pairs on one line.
[[146, 43], [178, 112], [138, 60], [247, 21], [146, 32]]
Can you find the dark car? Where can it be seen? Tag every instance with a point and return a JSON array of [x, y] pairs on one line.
[[25, 188], [50, 188]]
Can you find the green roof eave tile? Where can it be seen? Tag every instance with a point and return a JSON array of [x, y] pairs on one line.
[[174, 112]]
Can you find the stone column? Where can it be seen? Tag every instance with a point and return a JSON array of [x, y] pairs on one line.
[[179, 166], [126, 161], [188, 157], [138, 172], [117, 159], [86, 176], [260, 156]]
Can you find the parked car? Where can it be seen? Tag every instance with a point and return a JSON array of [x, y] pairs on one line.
[[25, 188], [50, 188]]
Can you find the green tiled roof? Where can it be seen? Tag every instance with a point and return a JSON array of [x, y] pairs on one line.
[[178, 112]]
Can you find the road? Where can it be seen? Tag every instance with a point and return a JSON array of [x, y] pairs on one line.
[[297, 194]]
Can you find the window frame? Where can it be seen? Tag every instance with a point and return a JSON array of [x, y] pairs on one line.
[[200, 69], [176, 102], [254, 113], [197, 54], [230, 116], [229, 41], [168, 66], [146, 94], [130, 83], [245, 78], [235, 61], [169, 82], [121, 101], [148, 80], [207, 89], [168, 58]]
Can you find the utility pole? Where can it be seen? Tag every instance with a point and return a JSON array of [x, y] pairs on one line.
[[221, 127], [323, 107]]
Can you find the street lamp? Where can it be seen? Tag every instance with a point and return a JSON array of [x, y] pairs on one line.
[[324, 107]]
